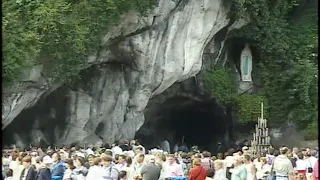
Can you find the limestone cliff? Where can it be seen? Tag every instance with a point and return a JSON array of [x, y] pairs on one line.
[[139, 59]]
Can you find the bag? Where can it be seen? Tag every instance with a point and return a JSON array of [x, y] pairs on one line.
[[272, 175], [211, 166], [310, 169]]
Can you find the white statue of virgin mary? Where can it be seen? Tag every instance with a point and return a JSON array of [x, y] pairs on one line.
[[246, 63]]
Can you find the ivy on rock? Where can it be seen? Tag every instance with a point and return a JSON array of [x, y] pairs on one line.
[[221, 83], [249, 107], [285, 32], [60, 34]]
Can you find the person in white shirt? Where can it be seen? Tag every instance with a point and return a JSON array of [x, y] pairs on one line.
[[263, 169], [257, 162], [283, 166], [9, 174], [250, 168], [129, 168], [137, 165], [220, 173], [95, 171], [109, 171], [16, 165], [210, 174], [121, 162], [160, 159], [171, 168], [310, 161], [229, 163], [69, 171], [301, 163], [116, 149]]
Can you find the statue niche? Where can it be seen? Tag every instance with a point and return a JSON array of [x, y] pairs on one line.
[[246, 64]]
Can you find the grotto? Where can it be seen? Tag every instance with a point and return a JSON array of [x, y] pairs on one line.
[[131, 86], [39, 121], [186, 120], [178, 113], [129, 76]]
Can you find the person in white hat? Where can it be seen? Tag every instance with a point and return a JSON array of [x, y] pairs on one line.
[[44, 170], [245, 150]]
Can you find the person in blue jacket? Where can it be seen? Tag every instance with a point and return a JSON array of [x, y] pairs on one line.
[[57, 168]]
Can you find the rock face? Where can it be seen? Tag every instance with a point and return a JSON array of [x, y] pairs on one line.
[[140, 58]]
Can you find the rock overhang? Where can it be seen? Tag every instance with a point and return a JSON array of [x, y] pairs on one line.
[[171, 52]]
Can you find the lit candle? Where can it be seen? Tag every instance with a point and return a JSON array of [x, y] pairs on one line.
[[261, 110], [267, 133], [265, 122], [254, 136]]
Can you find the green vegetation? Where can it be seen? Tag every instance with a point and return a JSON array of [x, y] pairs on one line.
[[60, 34], [286, 33], [220, 82], [249, 107]]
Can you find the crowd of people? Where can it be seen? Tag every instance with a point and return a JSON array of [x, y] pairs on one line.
[[130, 161]]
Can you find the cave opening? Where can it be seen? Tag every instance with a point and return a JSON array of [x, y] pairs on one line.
[[47, 115], [203, 123]]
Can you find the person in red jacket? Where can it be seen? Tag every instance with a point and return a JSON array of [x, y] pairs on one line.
[[197, 172]]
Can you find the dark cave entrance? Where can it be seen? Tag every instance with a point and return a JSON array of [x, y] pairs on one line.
[[195, 122], [49, 111]]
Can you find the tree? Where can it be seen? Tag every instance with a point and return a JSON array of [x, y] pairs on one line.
[[60, 34], [286, 33]]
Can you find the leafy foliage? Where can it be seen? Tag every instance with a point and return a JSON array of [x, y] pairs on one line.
[[286, 33], [60, 34], [312, 131], [249, 107], [221, 83]]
